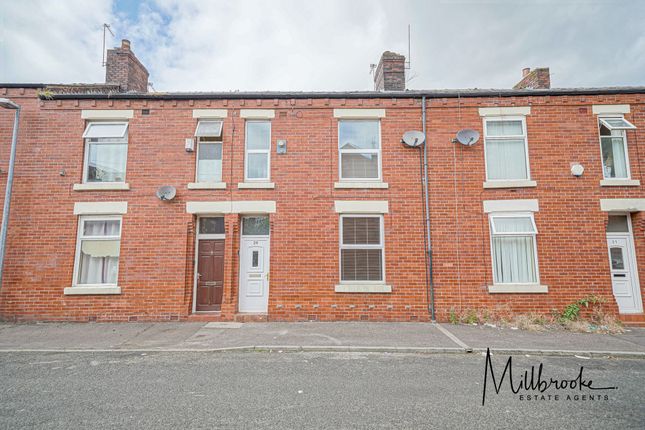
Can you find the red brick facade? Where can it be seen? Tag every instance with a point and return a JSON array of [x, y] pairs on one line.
[[156, 267]]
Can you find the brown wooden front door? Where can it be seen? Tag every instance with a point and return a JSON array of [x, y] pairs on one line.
[[210, 274]]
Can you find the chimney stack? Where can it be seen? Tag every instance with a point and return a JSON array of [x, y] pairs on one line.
[[124, 69], [535, 79], [390, 72]]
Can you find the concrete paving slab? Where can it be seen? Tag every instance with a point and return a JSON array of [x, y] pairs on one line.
[[323, 334], [495, 337]]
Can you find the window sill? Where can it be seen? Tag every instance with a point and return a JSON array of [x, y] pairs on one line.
[[102, 186], [91, 291], [620, 183], [206, 185], [520, 183], [518, 288], [361, 185], [363, 288], [255, 185]]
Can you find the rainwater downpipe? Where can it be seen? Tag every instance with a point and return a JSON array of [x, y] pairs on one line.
[[429, 277]]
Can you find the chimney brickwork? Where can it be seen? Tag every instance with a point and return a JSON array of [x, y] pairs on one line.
[[534, 79], [390, 73], [124, 69]]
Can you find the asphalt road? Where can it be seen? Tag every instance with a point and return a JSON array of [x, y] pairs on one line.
[[302, 390]]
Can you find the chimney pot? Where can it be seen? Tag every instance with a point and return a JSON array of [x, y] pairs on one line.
[[125, 44], [526, 71]]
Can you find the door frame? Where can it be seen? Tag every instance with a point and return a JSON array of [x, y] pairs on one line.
[[631, 248], [199, 236], [240, 274]]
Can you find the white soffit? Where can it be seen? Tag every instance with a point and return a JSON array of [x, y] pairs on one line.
[[622, 205], [106, 114], [361, 206], [359, 113], [257, 113], [609, 109], [100, 208], [527, 205], [505, 111], [210, 113], [246, 207]]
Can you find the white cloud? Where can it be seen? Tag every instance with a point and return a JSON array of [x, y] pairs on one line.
[[52, 41], [329, 44]]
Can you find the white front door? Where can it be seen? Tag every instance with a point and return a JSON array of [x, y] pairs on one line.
[[624, 277], [254, 274]]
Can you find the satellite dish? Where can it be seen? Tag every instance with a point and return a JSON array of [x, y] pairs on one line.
[[413, 138], [467, 136], [167, 192]]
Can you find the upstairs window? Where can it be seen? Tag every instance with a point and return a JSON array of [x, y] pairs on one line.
[[359, 144], [506, 149], [613, 146], [258, 151], [97, 251], [209, 151], [514, 250], [106, 151], [361, 248]]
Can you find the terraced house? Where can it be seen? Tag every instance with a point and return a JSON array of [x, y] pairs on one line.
[[137, 205]]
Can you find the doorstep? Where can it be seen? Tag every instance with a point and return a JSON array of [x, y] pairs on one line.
[[251, 317], [634, 320], [205, 316]]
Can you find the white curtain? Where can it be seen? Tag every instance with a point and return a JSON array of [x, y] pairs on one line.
[[506, 159], [107, 162], [514, 260], [99, 259], [620, 163], [209, 165]]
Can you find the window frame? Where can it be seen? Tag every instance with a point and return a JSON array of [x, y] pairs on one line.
[[256, 151], [380, 246], [523, 136], [199, 144], [492, 234], [79, 241], [204, 121], [108, 141], [623, 135], [378, 151]]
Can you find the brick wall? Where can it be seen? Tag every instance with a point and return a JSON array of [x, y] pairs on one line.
[[390, 72], [157, 245], [539, 78], [123, 68]]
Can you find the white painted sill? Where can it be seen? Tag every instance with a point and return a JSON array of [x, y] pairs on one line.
[[102, 186], [363, 288], [206, 185], [255, 185], [518, 288], [91, 291], [524, 183], [361, 185], [620, 183]]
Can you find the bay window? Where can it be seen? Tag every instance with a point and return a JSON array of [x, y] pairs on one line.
[[359, 144], [514, 249]]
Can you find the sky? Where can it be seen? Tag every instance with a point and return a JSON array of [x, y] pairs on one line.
[[326, 45]]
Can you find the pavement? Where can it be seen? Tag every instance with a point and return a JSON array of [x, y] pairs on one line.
[[307, 390], [313, 336]]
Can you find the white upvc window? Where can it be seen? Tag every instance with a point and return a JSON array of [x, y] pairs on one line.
[[514, 248], [106, 152], [506, 148], [209, 151], [613, 146], [361, 249], [257, 154], [359, 146], [97, 251]]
